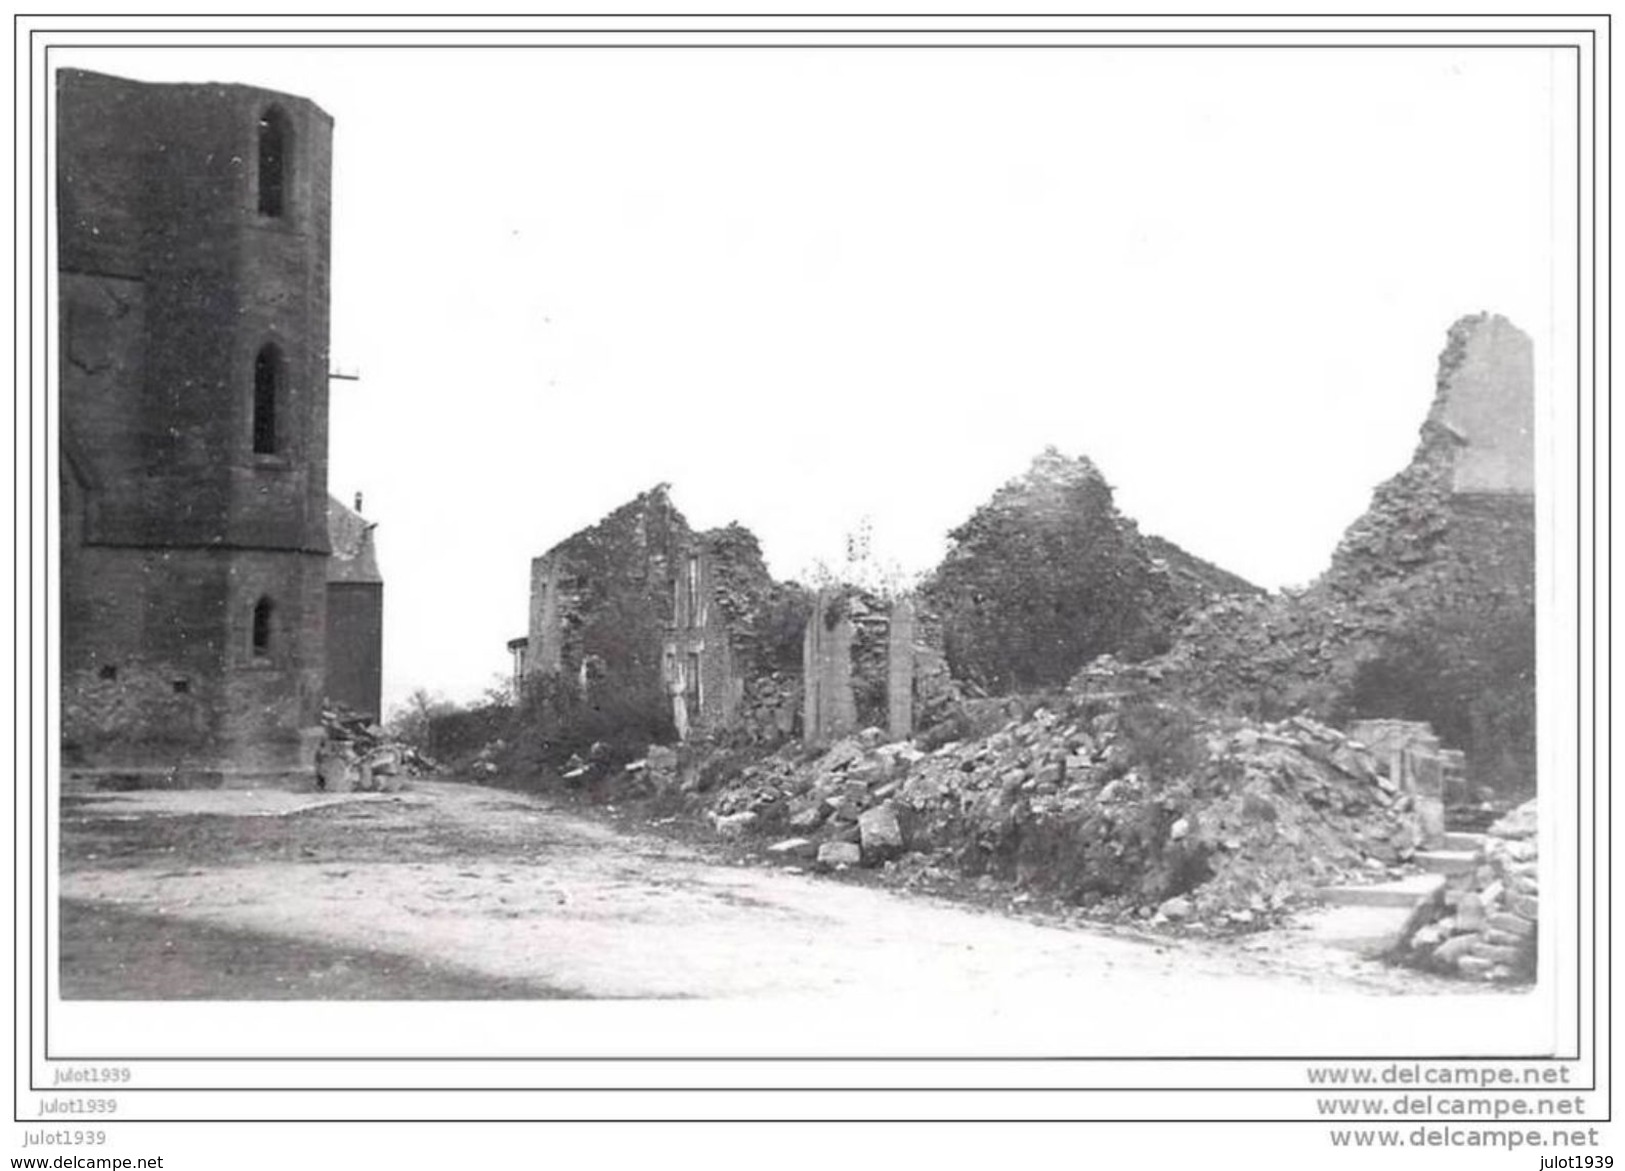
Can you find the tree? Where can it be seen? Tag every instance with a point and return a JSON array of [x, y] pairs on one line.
[[411, 721]]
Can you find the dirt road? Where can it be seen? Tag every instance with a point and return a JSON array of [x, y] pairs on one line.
[[514, 895]]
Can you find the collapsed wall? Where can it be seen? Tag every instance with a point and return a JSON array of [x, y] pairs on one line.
[[600, 603], [1048, 574], [1427, 609]]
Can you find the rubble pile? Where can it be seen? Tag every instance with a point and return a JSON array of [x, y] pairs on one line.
[[1261, 656], [1484, 924], [1107, 799], [355, 756]]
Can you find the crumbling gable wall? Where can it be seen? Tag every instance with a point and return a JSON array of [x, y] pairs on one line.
[[647, 628], [1048, 574], [600, 608], [1427, 609]]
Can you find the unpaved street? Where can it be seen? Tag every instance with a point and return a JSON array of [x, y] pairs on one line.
[[497, 893]]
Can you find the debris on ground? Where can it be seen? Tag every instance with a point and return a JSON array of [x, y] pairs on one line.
[[1115, 801], [485, 765], [1483, 924], [356, 756]]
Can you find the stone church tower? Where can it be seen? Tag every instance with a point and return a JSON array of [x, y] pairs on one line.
[[192, 258]]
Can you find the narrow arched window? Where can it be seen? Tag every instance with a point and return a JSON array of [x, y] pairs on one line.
[[267, 390], [261, 634], [275, 140]]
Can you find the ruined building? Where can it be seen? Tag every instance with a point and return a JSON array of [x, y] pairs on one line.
[[1048, 574], [599, 609], [640, 624], [686, 633], [1427, 611], [647, 626], [193, 227], [1441, 568]]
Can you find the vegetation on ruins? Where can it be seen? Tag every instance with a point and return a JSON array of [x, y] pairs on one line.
[[1043, 578]]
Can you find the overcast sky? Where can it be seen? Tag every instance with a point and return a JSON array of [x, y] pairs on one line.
[[813, 287]]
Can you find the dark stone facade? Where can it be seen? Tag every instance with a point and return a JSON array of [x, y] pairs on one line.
[[193, 226]]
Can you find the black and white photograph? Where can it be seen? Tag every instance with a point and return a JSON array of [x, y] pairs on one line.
[[955, 555]]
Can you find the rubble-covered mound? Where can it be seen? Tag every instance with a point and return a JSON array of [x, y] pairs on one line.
[[1484, 924], [356, 755], [1048, 574], [1120, 802]]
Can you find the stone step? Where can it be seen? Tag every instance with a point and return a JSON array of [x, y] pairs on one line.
[[1447, 861], [1403, 892], [1464, 841], [1366, 931]]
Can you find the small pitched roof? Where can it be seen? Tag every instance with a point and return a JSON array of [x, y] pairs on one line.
[[350, 535]]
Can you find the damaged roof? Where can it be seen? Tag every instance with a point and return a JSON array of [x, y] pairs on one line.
[[349, 533]]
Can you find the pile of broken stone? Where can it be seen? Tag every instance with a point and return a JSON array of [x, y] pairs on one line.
[[1066, 799], [355, 756], [1484, 923]]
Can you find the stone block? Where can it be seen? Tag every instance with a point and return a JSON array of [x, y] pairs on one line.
[[808, 814], [1451, 950], [735, 824], [1512, 924], [845, 809], [880, 834], [834, 854], [1520, 823], [1176, 908], [1497, 953], [1524, 884], [923, 789]]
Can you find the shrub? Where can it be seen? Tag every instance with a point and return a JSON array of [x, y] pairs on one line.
[[556, 721], [1471, 676]]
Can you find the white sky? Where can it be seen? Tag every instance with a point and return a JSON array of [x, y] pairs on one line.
[[809, 287]]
